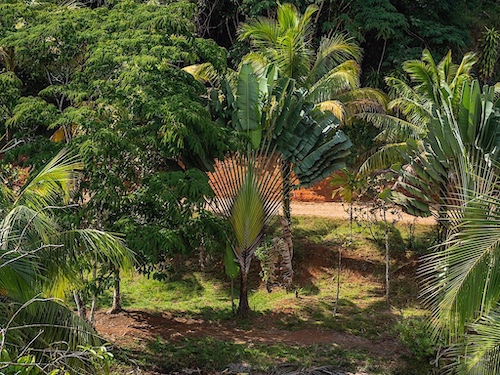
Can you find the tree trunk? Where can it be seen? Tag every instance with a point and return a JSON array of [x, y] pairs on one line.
[[286, 169], [80, 305], [243, 307], [382, 57], [117, 307], [386, 240], [92, 310], [338, 282], [233, 305]]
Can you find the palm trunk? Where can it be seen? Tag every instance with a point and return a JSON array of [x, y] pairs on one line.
[[286, 168], [117, 307], [386, 254], [243, 307]]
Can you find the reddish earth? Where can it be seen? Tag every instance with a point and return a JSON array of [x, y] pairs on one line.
[[337, 210], [321, 192], [127, 328]]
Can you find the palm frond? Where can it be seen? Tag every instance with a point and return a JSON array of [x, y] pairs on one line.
[[382, 158], [334, 106], [203, 73], [483, 346], [262, 32], [468, 260], [365, 93], [332, 52], [52, 183], [50, 330], [393, 129], [340, 79]]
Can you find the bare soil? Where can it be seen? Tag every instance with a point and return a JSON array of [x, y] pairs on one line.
[[338, 210], [129, 327]]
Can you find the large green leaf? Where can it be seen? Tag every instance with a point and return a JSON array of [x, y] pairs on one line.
[[248, 108]]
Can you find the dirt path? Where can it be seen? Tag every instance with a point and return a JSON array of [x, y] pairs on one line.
[[338, 211], [127, 328]]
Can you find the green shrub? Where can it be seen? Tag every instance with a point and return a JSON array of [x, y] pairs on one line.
[[414, 333]]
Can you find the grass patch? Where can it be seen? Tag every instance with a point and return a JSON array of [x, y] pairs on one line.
[[216, 355], [362, 309]]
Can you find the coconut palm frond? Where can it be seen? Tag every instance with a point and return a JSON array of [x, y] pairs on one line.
[[52, 183], [467, 262], [86, 245], [399, 88], [28, 225], [464, 69], [53, 332], [368, 94], [393, 129], [332, 52], [337, 81], [203, 73], [292, 56], [483, 346], [382, 158], [335, 106], [263, 32], [425, 78]]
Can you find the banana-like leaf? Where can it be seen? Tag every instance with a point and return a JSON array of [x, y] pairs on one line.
[[230, 266], [248, 108]]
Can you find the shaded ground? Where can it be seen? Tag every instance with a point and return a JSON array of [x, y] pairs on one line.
[[126, 328]]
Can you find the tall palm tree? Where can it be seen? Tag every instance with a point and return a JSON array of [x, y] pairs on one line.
[[461, 277], [38, 255], [413, 100], [330, 73]]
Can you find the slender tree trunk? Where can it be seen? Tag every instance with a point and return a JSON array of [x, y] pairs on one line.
[[92, 309], [386, 239], [351, 219], [286, 169], [117, 307], [94, 294], [80, 305], [243, 307], [233, 306], [382, 57], [338, 283]]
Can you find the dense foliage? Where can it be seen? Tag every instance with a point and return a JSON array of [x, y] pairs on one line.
[[108, 82]]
